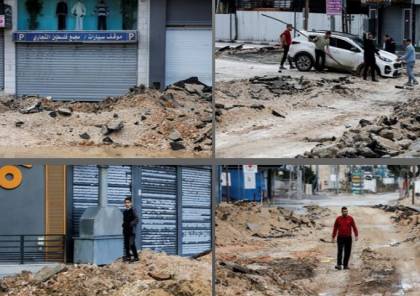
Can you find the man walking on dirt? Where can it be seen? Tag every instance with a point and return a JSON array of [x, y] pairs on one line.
[[130, 221], [410, 58], [286, 42], [343, 231], [322, 44], [370, 51]]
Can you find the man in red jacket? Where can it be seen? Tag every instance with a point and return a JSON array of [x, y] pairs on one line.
[[342, 230], [286, 41]]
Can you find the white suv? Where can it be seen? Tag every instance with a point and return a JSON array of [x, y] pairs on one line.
[[347, 49]]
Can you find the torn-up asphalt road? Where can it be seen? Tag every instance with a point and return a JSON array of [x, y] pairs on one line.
[[252, 263], [311, 108], [174, 123]]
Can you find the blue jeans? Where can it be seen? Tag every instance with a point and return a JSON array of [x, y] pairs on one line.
[[410, 72]]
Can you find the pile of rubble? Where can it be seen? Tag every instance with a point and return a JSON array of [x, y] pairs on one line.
[[154, 275], [244, 221], [266, 54], [248, 93], [178, 118], [264, 276], [404, 216], [387, 136]]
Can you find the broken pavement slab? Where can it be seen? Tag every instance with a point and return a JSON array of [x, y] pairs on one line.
[[49, 271]]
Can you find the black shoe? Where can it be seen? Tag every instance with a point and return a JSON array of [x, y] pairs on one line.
[[346, 267], [375, 80], [338, 267], [134, 260], [126, 259]]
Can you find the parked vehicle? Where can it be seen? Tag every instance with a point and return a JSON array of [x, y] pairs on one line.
[[347, 53]]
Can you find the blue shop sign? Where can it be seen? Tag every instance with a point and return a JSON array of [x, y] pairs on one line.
[[76, 37]]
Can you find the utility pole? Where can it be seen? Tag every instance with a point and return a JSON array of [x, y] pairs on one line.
[[344, 16], [306, 16]]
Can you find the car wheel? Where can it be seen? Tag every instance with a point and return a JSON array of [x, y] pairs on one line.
[[304, 62]]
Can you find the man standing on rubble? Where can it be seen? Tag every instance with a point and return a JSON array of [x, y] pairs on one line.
[[286, 42], [322, 44], [343, 231], [130, 221]]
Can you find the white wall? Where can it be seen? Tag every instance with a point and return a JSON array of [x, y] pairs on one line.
[[254, 27], [225, 28], [10, 53], [143, 27]]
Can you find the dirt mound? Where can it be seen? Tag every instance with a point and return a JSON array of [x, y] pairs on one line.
[[377, 275], [264, 93], [265, 276], [176, 119], [182, 277], [387, 136], [243, 221]]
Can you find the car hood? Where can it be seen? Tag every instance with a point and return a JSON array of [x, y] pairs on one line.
[[388, 55]]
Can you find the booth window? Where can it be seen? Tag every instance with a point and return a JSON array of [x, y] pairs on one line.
[[77, 15]]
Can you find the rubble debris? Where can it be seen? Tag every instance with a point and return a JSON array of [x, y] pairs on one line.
[[49, 271], [377, 274], [36, 107], [142, 119], [387, 136], [64, 111], [85, 136], [107, 141], [19, 123], [278, 114], [154, 273], [246, 221], [175, 136], [177, 146]]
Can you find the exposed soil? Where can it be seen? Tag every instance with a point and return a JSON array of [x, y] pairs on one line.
[[174, 123], [385, 260], [155, 275]]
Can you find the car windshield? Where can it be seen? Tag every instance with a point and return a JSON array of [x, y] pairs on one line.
[[358, 41]]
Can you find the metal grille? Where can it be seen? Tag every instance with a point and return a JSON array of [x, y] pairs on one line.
[[1, 59], [196, 210], [188, 53], [158, 230], [70, 71], [85, 189], [32, 248]]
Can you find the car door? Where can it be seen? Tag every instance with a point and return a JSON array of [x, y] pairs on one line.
[[343, 54]]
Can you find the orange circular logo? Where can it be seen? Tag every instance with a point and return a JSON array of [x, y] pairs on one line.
[[10, 177]]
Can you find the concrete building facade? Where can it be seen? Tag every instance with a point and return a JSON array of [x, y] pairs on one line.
[[86, 57]]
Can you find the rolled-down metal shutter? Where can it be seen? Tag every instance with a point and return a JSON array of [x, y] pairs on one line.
[[196, 210], [158, 209], [1, 59], [188, 53], [85, 189], [75, 71]]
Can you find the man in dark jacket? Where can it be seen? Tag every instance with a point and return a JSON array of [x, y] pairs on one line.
[[343, 227], [390, 45], [130, 222], [370, 51]]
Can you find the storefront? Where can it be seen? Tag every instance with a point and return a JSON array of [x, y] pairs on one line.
[[174, 203], [93, 49], [395, 18]]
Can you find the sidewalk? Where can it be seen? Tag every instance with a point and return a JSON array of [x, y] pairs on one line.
[[13, 269]]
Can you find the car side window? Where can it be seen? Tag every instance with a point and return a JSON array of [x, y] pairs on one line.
[[333, 42], [344, 45]]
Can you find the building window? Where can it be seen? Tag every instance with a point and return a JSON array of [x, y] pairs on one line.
[[77, 15]]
